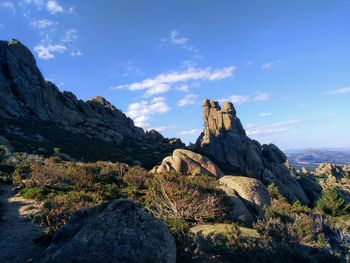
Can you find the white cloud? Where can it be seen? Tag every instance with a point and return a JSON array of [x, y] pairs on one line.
[[262, 96], [188, 100], [42, 23], [191, 74], [38, 3], [273, 128], [192, 132], [265, 114], [9, 5], [158, 89], [338, 91], [184, 88], [164, 128], [270, 64], [76, 53], [240, 99], [176, 38], [70, 36], [237, 99], [47, 52], [54, 7], [141, 112]]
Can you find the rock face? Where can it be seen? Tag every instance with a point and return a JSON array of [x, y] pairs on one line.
[[225, 142], [25, 94], [120, 232], [188, 163], [333, 176], [247, 195]]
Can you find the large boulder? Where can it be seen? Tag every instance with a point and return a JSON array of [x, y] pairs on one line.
[[252, 191], [225, 142], [248, 196], [188, 163], [119, 232]]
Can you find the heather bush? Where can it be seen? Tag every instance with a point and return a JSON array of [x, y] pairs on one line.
[[182, 197]]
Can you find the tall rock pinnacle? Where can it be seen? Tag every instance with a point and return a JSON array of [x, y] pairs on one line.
[[225, 142]]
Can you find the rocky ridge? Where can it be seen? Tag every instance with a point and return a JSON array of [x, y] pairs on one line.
[[26, 95]]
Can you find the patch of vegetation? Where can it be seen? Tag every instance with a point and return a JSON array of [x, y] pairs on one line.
[[331, 203]]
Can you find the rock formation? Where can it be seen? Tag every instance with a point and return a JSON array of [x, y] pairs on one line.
[[225, 142], [26, 95], [120, 232], [188, 163], [247, 195]]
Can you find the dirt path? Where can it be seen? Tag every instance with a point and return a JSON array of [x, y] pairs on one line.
[[16, 230]]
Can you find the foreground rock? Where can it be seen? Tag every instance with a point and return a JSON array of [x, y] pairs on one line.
[[188, 163], [225, 142], [247, 195], [120, 232], [26, 95]]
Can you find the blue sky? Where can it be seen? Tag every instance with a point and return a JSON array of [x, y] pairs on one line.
[[284, 64]]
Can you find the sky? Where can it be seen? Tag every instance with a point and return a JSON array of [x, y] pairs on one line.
[[285, 65]]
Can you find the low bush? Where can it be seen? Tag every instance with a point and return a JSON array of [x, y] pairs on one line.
[[184, 198]]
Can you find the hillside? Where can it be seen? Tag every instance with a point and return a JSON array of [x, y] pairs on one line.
[[36, 117]]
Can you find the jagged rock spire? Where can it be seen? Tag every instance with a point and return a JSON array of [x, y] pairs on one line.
[[225, 142]]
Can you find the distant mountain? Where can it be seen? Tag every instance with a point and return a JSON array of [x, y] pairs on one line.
[[35, 117], [311, 158]]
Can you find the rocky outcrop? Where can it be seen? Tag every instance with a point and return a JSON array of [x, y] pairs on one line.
[[188, 163], [120, 232], [333, 176], [26, 95], [225, 142], [247, 195]]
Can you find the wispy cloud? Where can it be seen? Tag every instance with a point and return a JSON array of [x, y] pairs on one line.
[[42, 23], [70, 35], [177, 39], [141, 111], [47, 52], [265, 114], [192, 132], [9, 5], [270, 64], [240, 99], [272, 128], [261, 96], [338, 91], [54, 7], [76, 53], [164, 128], [162, 82], [188, 100]]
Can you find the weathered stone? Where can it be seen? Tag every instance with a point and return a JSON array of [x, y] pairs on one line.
[[225, 142], [188, 163], [252, 192], [120, 232]]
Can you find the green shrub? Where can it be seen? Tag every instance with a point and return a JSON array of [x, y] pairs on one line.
[[5, 178], [56, 150], [332, 203], [136, 176], [59, 208], [37, 193]]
